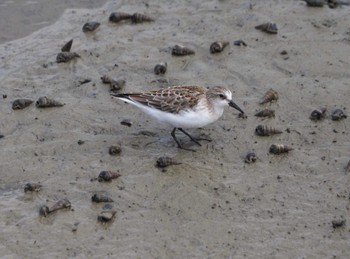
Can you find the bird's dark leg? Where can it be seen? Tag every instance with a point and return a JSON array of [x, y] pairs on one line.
[[174, 137], [178, 142], [188, 135]]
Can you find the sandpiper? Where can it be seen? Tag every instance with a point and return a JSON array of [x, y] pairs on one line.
[[183, 106]]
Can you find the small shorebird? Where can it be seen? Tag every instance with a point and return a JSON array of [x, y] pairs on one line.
[[183, 106]]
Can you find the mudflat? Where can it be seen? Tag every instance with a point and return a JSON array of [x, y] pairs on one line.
[[210, 204]]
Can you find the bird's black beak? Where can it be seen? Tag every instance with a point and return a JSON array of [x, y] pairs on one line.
[[232, 104]]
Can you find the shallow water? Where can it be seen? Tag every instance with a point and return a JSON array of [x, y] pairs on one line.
[[20, 18], [213, 205]]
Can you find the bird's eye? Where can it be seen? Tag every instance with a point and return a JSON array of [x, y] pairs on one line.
[[222, 96]]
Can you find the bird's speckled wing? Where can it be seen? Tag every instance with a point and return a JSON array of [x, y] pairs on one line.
[[172, 99]]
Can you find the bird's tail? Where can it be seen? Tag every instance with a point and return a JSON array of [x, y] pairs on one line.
[[120, 95]]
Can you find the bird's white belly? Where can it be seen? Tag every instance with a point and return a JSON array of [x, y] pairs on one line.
[[189, 119], [185, 119]]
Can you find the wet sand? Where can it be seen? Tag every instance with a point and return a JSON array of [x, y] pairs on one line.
[[20, 18], [213, 205]]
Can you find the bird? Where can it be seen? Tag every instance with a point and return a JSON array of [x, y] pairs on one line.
[[183, 106]]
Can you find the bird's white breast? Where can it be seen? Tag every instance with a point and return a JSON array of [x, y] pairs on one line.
[[197, 118]]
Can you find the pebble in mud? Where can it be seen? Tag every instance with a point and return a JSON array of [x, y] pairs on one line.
[[32, 187], [66, 47], [119, 16], [135, 18], [160, 68], [263, 130], [139, 18], [165, 161], [107, 176], [338, 223], [101, 198], [45, 102], [250, 158], [115, 84], [82, 81], [318, 114], [179, 50], [126, 122], [20, 104], [106, 216], [267, 27], [338, 114], [64, 57], [115, 150], [315, 3], [266, 113], [106, 79], [269, 96], [90, 26], [74, 228], [284, 55], [61, 204], [240, 43], [218, 46], [107, 206], [278, 149]]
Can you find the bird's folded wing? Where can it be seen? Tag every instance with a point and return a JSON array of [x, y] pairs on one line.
[[166, 101]]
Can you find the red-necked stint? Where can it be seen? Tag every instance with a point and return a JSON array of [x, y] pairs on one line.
[[183, 106]]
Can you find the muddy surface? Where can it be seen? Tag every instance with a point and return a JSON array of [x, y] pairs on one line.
[[213, 204]]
